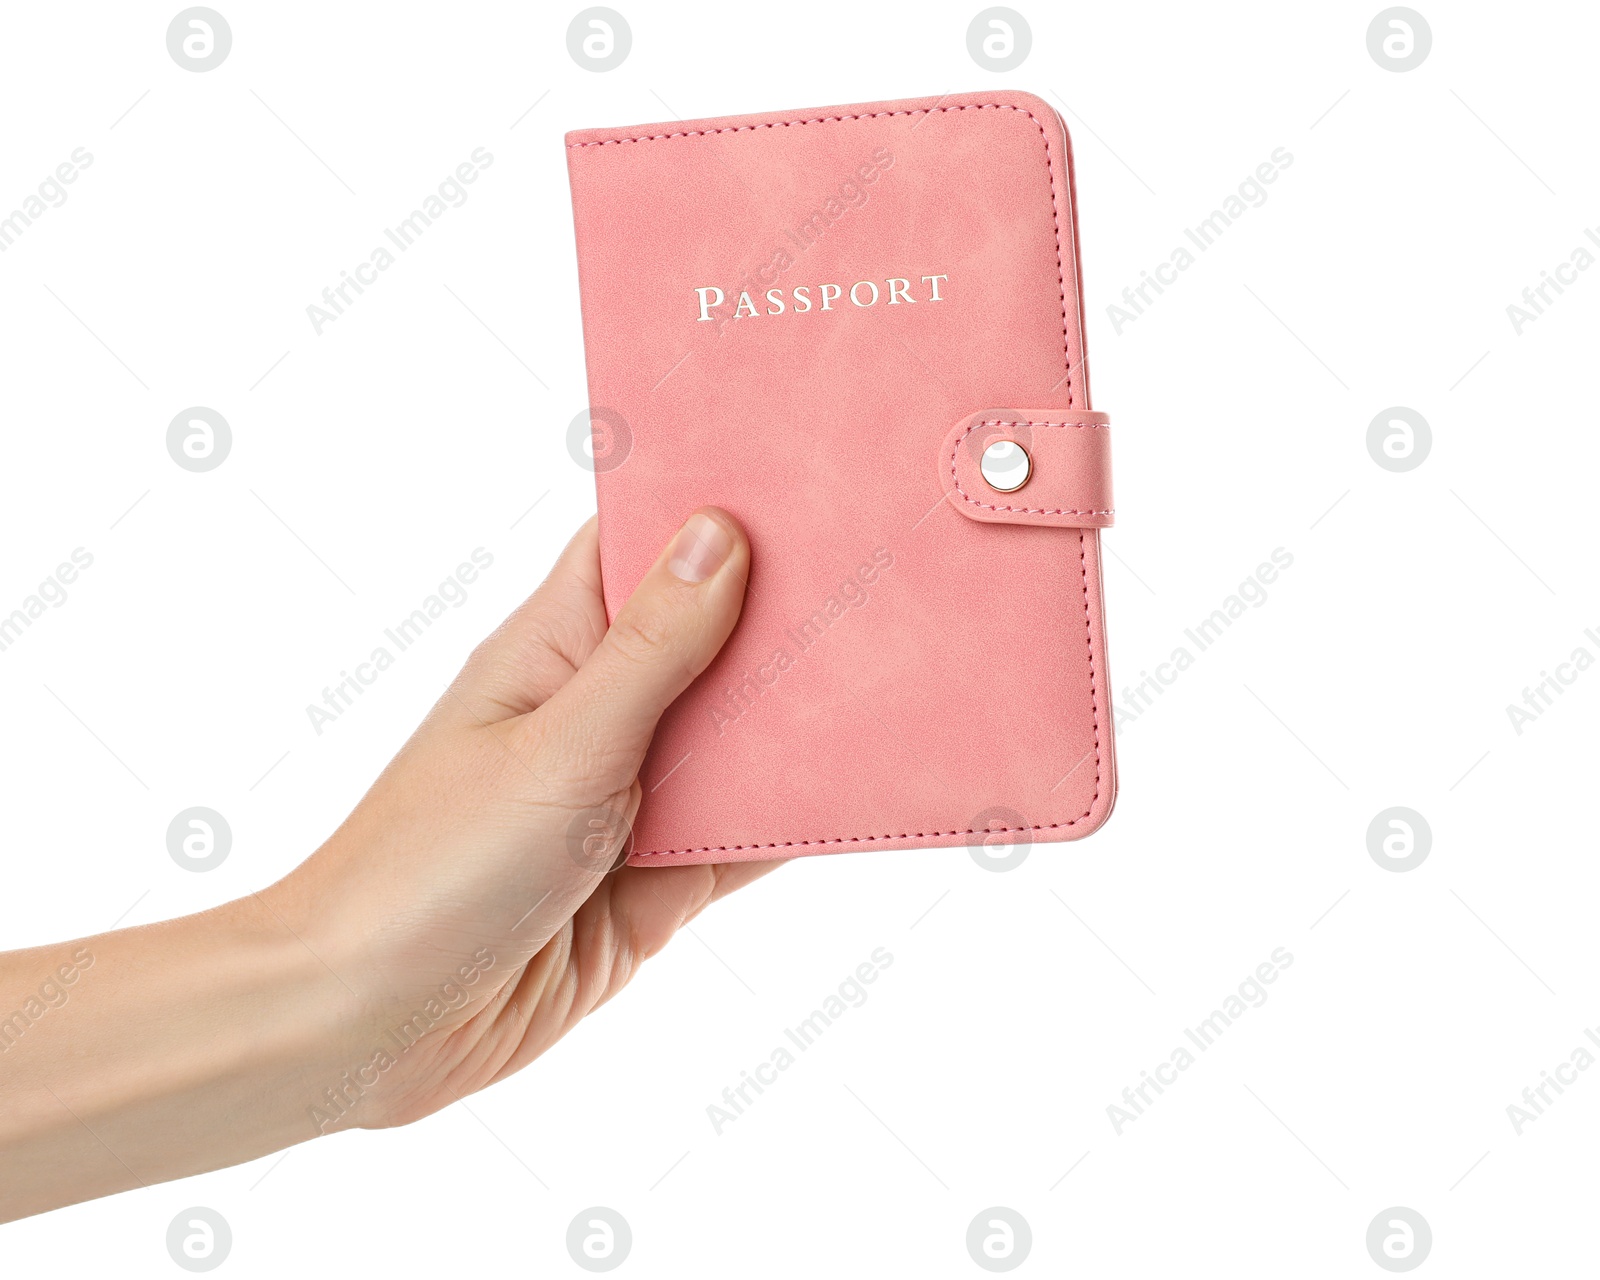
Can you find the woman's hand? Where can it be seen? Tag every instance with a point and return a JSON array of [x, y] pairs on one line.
[[473, 892], [464, 917]]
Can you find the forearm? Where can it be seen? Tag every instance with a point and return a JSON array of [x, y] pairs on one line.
[[460, 921], [154, 1053]]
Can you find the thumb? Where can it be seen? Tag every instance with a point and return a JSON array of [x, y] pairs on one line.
[[664, 636]]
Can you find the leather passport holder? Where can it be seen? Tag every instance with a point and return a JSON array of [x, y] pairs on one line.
[[855, 328]]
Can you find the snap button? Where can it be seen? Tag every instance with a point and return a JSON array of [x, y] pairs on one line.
[[1059, 458], [1005, 466]]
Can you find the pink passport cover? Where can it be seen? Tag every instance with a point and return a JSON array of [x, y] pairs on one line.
[[921, 660]]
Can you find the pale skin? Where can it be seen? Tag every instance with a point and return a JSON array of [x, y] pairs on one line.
[[472, 885]]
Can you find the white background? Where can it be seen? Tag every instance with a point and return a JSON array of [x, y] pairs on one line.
[[426, 421]]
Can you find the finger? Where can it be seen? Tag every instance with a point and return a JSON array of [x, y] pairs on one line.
[[678, 894], [661, 639], [732, 876], [631, 916], [536, 650]]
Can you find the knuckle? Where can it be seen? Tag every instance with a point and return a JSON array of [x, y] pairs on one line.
[[645, 637]]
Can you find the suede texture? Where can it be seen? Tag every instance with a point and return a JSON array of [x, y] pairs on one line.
[[909, 669]]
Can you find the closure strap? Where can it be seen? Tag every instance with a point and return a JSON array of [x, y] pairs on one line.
[[1068, 465]]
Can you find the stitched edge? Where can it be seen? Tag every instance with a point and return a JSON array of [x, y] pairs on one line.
[[784, 124], [1061, 281], [1094, 697], [1049, 161], [1094, 693], [955, 478], [1082, 426]]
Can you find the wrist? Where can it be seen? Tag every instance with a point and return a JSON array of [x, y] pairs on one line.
[[327, 1007]]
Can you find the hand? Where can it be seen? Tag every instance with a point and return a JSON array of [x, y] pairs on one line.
[[474, 893], [463, 918]]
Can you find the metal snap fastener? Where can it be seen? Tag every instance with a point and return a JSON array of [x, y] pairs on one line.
[[1005, 466]]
